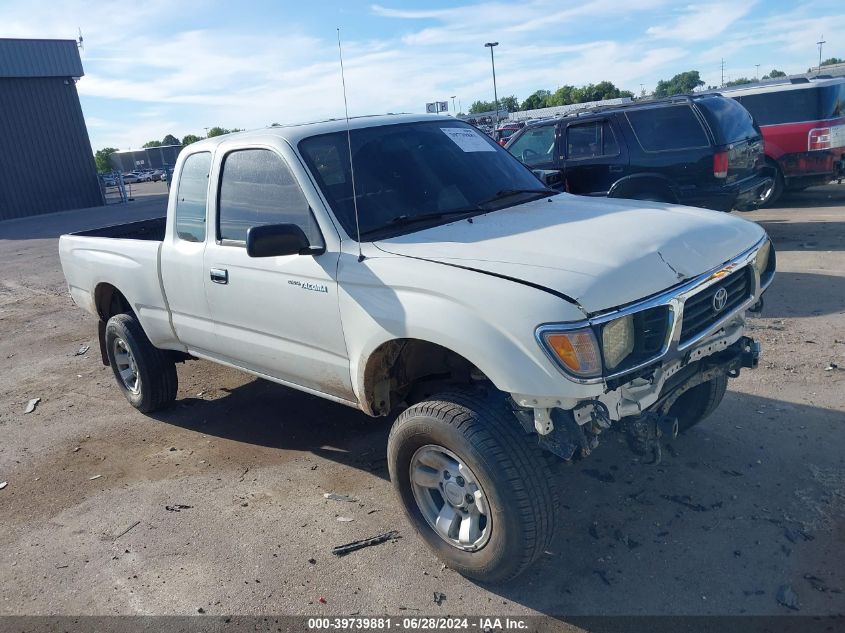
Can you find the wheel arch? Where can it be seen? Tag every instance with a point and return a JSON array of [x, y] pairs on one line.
[[410, 369], [109, 300], [642, 183]]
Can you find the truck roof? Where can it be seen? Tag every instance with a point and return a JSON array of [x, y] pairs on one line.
[[295, 132]]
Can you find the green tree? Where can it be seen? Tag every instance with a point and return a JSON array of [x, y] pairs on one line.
[[509, 103], [540, 99], [190, 138], [220, 131], [774, 74], [562, 96], [152, 144], [482, 106], [830, 61], [102, 156], [170, 140], [598, 92], [679, 84], [739, 82]]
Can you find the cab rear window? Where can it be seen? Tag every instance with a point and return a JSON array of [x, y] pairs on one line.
[[666, 128]]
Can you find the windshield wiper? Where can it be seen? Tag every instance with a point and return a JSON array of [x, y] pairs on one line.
[[507, 193], [403, 220]]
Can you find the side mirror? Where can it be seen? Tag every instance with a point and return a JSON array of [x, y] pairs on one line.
[[552, 178], [273, 240]]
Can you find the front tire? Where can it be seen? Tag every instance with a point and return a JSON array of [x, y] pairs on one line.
[[699, 402], [473, 484], [144, 373]]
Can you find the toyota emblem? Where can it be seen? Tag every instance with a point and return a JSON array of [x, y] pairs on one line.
[[720, 299]]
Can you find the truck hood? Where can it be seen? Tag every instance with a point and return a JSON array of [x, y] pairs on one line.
[[602, 253]]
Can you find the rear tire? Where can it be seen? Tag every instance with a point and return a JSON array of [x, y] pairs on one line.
[[477, 437], [773, 195], [699, 402], [144, 373]]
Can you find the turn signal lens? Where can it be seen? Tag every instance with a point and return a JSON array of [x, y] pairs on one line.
[[577, 351]]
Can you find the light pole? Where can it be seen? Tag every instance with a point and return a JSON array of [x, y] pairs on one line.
[[821, 43], [453, 105], [492, 45], [757, 72]]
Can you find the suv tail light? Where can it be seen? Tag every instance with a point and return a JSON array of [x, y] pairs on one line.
[[818, 138], [720, 165]]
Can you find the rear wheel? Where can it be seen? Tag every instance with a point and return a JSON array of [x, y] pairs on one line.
[[699, 402], [145, 374], [773, 193], [473, 484]]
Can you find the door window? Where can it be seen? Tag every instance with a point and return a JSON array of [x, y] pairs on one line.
[[192, 196], [536, 146], [257, 188], [589, 140]]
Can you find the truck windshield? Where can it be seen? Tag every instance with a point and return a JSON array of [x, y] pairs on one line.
[[412, 176]]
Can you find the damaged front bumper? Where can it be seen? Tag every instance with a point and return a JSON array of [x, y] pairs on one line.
[[690, 356]]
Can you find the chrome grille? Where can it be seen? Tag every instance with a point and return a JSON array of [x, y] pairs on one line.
[[699, 311]]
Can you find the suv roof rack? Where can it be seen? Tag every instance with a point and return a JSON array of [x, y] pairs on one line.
[[594, 109]]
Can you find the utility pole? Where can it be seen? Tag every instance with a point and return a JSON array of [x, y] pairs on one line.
[[642, 90], [491, 46], [821, 43], [722, 85], [757, 72]]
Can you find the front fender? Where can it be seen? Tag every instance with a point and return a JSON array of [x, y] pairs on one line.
[[487, 320]]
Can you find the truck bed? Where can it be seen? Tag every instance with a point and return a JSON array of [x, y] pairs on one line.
[[152, 230], [126, 257]]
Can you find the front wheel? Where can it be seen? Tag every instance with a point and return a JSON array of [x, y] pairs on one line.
[[699, 402], [473, 484], [145, 374]]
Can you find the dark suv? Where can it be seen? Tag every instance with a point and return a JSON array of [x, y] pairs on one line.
[[699, 150]]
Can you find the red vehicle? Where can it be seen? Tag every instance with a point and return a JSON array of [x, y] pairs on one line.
[[505, 131], [803, 125]]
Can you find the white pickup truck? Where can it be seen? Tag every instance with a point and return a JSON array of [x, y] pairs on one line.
[[410, 264]]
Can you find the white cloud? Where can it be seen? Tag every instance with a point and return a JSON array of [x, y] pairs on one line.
[[706, 21], [143, 72]]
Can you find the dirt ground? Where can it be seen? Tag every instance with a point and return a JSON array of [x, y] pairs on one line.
[[748, 502]]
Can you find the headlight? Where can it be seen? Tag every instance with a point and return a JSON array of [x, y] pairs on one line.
[[577, 351], [617, 339], [763, 256]]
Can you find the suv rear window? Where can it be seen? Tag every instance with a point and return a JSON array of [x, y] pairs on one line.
[[664, 128], [728, 120]]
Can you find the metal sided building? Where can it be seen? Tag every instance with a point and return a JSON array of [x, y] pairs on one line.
[[163, 156], [46, 162]]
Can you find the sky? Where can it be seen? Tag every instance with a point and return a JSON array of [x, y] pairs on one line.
[[162, 67]]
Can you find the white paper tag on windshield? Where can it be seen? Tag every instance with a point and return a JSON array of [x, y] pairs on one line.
[[468, 139]]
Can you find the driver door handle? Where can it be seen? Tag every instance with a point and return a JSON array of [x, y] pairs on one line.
[[219, 275]]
